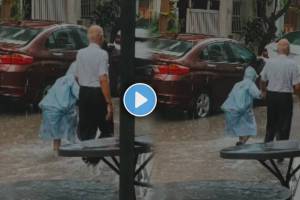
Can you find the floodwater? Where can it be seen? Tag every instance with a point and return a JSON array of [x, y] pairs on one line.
[[186, 150]]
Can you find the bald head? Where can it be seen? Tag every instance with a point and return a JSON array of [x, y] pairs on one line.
[[283, 47], [95, 34]]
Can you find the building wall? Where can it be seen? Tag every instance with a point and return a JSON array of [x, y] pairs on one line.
[[73, 10], [67, 11]]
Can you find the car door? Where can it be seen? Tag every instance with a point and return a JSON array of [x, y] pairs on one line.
[[223, 73]]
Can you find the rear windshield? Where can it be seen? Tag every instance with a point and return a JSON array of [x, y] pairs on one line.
[[17, 35], [170, 47], [293, 38]]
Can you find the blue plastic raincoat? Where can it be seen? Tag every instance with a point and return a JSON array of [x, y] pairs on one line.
[[59, 112], [238, 108]]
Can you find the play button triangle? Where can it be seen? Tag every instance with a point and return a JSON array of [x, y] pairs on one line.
[[139, 100]]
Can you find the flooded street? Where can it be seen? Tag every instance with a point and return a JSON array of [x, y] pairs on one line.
[[186, 150]]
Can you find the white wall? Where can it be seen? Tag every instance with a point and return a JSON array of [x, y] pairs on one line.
[[73, 10], [225, 17]]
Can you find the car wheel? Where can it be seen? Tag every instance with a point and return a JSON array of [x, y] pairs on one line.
[[202, 106]]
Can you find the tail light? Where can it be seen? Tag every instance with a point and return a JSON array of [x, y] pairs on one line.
[[172, 69], [17, 59]]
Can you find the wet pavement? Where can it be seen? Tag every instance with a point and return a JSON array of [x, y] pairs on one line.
[[186, 150]]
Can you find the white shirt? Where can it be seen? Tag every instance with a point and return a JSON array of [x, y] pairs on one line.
[[281, 73], [92, 62]]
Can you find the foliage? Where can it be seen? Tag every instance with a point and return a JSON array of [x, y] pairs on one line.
[[260, 31], [107, 13], [16, 13]]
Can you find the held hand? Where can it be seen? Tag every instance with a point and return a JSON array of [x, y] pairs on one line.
[[110, 112], [263, 94]]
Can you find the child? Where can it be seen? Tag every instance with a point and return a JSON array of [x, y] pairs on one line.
[[240, 119], [59, 110]]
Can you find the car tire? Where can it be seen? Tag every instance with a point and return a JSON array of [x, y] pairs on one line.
[[201, 107]]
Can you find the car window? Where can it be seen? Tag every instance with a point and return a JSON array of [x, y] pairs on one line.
[[51, 42], [82, 39], [293, 38], [17, 35], [240, 54], [176, 48], [62, 39], [214, 52]]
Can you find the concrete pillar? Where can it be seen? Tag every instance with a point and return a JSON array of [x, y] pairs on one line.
[[73, 10], [225, 17]]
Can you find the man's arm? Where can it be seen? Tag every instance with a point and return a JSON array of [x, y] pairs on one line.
[[264, 81], [297, 89], [104, 82], [263, 88], [296, 79]]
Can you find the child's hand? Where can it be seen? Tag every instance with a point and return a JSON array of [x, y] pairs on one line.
[[263, 94]]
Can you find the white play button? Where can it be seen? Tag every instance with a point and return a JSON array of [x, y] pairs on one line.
[[139, 100]]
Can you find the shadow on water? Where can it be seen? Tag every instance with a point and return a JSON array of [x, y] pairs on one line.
[[165, 114], [8, 107]]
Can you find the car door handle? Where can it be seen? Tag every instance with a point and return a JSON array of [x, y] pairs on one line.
[[57, 54], [212, 65], [239, 68]]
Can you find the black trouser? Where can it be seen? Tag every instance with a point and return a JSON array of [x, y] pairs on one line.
[[280, 113], [92, 113]]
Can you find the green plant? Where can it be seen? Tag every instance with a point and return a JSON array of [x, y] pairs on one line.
[[16, 10], [260, 31], [107, 12]]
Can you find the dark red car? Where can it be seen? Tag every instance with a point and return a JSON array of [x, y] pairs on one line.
[[33, 54], [196, 72]]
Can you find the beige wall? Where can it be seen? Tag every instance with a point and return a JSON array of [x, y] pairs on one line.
[[225, 17], [73, 10]]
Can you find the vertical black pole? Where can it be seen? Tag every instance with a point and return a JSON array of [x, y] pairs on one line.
[[128, 14]]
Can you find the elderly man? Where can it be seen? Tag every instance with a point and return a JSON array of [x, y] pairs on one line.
[[279, 78], [95, 104]]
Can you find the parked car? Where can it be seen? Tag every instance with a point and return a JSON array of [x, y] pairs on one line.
[[33, 54], [143, 59], [196, 72], [294, 39]]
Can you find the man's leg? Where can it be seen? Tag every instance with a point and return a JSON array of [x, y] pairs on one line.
[[286, 115], [88, 118], [106, 127], [87, 125], [272, 117]]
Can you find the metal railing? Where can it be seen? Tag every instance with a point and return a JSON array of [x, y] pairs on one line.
[[203, 21], [54, 10]]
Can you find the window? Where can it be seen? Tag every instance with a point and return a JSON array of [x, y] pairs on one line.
[[17, 35], [240, 54], [214, 52], [51, 42], [206, 4], [62, 39], [88, 8], [170, 47], [82, 38], [236, 17]]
